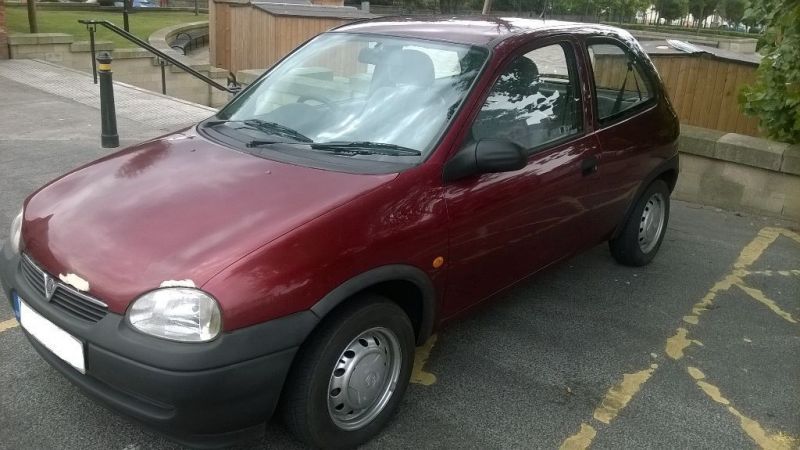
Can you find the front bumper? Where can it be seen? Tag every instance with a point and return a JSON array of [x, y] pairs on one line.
[[198, 394]]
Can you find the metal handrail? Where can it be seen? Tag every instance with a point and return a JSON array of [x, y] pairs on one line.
[[92, 24]]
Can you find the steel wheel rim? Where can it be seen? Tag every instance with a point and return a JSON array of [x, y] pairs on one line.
[[651, 224], [364, 378]]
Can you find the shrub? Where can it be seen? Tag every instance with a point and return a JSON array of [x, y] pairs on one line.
[[775, 96]]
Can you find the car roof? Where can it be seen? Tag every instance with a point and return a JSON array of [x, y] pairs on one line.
[[485, 31]]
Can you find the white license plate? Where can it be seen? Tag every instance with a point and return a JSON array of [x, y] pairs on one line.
[[62, 344]]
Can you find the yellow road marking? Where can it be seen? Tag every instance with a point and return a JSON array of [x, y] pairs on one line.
[[580, 440], [759, 296], [769, 273], [8, 324], [418, 374], [753, 429], [618, 396], [678, 343]]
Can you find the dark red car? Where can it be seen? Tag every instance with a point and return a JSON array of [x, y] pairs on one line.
[[289, 252]]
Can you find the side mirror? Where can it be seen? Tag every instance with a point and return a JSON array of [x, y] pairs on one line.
[[485, 156]]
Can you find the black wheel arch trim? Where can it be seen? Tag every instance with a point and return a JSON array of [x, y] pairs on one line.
[[393, 272], [664, 167]]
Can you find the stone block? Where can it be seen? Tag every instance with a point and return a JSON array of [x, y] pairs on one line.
[[85, 46], [791, 160], [698, 141], [751, 151]]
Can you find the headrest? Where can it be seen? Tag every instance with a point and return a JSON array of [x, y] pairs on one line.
[[410, 67], [520, 80]]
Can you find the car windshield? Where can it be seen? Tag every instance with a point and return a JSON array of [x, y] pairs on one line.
[[358, 96]]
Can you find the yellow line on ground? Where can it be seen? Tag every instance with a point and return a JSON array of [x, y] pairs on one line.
[[752, 251], [580, 440], [678, 343], [618, 396], [8, 324], [790, 234], [758, 295], [779, 441], [769, 273], [418, 374]]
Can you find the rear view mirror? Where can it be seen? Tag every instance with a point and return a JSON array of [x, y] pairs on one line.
[[485, 156]]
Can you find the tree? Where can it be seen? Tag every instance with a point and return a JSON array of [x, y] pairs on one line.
[[670, 10], [700, 9], [733, 10], [775, 96]]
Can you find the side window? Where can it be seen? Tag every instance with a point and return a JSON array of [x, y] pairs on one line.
[[534, 102], [619, 80]]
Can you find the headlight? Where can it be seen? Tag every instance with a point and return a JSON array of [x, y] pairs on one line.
[[177, 314], [16, 232]]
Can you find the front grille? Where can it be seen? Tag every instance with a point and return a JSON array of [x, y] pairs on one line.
[[71, 301]]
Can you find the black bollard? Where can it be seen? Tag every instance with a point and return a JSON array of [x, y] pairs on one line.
[[108, 115]]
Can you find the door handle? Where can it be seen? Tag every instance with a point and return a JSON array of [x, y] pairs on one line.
[[589, 166]]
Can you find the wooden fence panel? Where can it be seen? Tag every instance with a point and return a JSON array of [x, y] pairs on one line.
[[705, 91]]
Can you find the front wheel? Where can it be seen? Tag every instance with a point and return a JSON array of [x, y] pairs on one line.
[[642, 233], [350, 375]]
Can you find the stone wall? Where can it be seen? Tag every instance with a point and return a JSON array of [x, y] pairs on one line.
[[739, 173], [131, 65]]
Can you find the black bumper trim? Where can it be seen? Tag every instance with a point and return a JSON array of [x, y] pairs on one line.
[[197, 394]]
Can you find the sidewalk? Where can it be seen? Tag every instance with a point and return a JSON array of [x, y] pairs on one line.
[[50, 123]]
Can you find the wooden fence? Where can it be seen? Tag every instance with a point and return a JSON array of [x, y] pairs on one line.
[[704, 91]]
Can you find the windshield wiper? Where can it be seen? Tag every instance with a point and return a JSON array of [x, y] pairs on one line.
[[267, 127], [364, 148]]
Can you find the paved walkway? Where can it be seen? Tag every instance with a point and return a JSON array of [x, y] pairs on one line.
[[148, 108], [50, 123]]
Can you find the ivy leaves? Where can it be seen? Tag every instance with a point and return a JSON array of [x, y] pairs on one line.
[[775, 96]]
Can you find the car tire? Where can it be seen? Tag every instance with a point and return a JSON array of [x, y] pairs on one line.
[[330, 399], [642, 234]]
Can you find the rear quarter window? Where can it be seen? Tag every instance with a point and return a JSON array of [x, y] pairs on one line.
[[621, 83]]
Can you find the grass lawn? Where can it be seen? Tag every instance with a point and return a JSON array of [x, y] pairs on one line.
[[142, 24]]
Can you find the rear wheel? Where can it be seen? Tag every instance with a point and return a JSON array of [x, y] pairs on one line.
[[641, 236], [350, 375]]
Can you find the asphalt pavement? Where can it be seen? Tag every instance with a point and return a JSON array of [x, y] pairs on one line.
[[700, 349]]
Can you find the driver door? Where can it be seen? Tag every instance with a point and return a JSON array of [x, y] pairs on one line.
[[505, 226]]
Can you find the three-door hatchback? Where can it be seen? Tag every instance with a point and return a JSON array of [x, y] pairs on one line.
[[288, 253]]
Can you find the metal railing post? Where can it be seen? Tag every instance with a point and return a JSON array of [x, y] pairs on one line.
[[163, 77], [94, 56], [108, 115], [168, 59], [125, 24]]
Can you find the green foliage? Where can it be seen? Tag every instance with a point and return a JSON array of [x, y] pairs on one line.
[[700, 9], [670, 10], [775, 95], [143, 23], [733, 10]]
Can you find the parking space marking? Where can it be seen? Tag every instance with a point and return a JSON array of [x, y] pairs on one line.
[[753, 429], [770, 273], [678, 343], [758, 295], [418, 373], [8, 324], [581, 439], [620, 395]]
